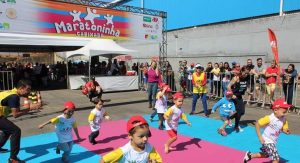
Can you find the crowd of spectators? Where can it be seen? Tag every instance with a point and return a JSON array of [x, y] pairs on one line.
[[262, 79], [38, 74], [105, 68]]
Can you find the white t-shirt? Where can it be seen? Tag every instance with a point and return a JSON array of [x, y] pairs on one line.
[[95, 118], [63, 128], [273, 127], [132, 156], [172, 122], [161, 104]]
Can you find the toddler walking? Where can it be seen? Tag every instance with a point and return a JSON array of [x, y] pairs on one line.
[[95, 118], [227, 108], [137, 150], [161, 104], [63, 128], [172, 116], [273, 124]]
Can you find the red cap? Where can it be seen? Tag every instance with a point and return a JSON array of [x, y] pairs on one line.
[[168, 88], [192, 64], [229, 93], [280, 103], [69, 105], [177, 95], [161, 85], [135, 121]]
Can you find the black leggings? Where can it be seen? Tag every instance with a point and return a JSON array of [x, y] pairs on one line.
[[93, 136], [93, 94], [240, 111], [161, 118], [14, 132]]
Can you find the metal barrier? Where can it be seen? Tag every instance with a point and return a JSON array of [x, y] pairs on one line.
[[256, 89], [6, 80]]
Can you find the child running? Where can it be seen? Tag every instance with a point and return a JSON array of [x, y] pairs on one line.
[[95, 118], [137, 150], [172, 116], [63, 128], [161, 103], [227, 109], [273, 124]]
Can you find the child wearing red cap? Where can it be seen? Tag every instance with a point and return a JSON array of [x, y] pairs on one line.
[[161, 104], [172, 116], [95, 118], [137, 149], [273, 124], [227, 109], [63, 128]]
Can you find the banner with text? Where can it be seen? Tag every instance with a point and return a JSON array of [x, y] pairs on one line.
[[72, 20]]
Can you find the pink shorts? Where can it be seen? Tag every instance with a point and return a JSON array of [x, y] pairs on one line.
[[172, 133]]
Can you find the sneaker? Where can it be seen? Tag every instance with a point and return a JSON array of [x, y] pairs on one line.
[[230, 123], [16, 160], [192, 113], [151, 119], [247, 157], [3, 150], [238, 129], [57, 149]]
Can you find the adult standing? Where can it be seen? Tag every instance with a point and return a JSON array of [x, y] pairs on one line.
[[209, 77], [271, 77], [226, 77], [199, 89], [238, 86], [153, 78], [288, 83], [260, 83], [10, 103], [170, 76], [250, 67]]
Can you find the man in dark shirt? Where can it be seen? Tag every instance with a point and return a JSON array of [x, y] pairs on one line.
[[10, 103]]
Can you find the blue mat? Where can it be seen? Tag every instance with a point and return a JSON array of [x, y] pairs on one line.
[[206, 129], [41, 149]]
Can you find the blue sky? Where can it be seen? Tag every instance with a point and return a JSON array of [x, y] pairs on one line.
[[185, 13]]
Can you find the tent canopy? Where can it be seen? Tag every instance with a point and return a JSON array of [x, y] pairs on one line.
[[100, 47], [10, 42]]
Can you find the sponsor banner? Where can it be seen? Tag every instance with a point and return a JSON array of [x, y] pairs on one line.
[[108, 83], [65, 19]]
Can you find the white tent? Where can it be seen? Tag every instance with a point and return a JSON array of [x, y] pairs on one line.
[[99, 47]]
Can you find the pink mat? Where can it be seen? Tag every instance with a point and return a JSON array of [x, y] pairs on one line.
[[113, 134]]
